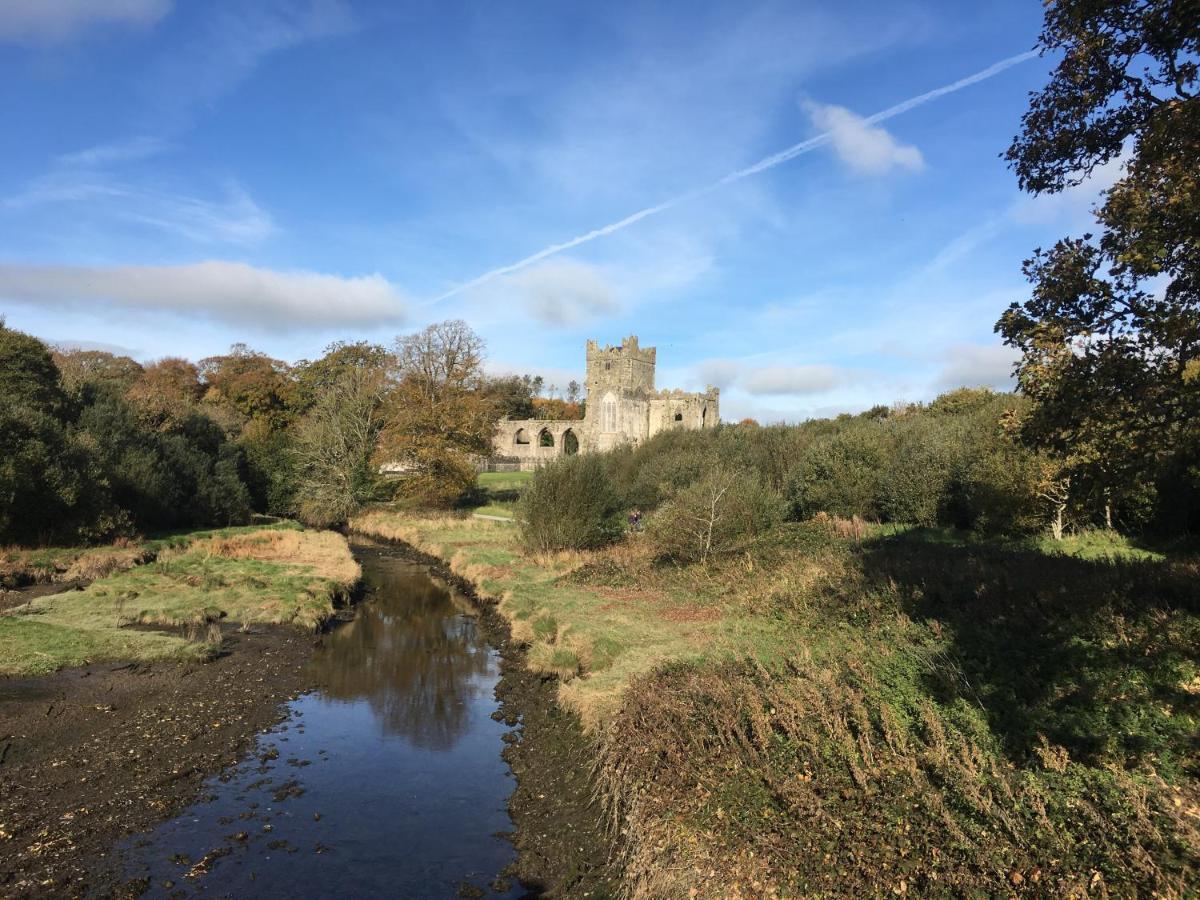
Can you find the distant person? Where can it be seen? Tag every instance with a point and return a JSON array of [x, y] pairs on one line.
[[635, 520]]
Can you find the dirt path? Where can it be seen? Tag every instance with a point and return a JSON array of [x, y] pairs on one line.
[[90, 755]]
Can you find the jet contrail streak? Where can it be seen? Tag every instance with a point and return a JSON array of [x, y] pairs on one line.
[[762, 165]]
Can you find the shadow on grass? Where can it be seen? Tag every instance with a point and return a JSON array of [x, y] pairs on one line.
[[1101, 657]]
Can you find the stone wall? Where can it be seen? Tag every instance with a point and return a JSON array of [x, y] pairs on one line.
[[529, 442], [623, 407]]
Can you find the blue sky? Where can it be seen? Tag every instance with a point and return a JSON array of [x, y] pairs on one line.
[[178, 176]]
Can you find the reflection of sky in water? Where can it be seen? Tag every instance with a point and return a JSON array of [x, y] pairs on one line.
[[388, 781]]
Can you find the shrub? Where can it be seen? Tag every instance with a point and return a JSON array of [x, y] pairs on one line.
[[570, 504], [841, 474], [720, 513]]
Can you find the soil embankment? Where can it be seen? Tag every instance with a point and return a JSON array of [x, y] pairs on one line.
[[92, 754]]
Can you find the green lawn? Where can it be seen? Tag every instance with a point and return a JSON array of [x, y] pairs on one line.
[[504, 481]]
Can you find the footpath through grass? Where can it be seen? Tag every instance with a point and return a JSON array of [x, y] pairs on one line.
[[277, 574], [890, 712]]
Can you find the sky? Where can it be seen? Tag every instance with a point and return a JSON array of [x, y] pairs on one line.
[[801, 203]]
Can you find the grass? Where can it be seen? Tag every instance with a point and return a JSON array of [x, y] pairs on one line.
[[504, 481], [895, 711], [567, 610], [1091, 543], [277, 575]]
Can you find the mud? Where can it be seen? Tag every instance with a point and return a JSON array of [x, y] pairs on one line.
[[90, 755]]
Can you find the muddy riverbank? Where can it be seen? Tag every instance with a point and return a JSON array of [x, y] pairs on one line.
[[91, 756]]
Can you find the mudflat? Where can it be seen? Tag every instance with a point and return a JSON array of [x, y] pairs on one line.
[[89, 755]]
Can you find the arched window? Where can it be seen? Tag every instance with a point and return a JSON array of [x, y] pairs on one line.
[[545, 438], [608, 414], [678, 416], [570, 443], [521, 437]]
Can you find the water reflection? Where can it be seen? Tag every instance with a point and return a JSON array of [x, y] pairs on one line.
[[387, 781], [411, 654]]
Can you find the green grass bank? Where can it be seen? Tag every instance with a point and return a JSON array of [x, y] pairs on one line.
[[869, 711], [164, 599]]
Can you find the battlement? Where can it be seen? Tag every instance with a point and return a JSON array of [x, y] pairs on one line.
[[625, 369]]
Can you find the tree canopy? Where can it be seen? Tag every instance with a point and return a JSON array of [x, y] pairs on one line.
[[1110, 337]]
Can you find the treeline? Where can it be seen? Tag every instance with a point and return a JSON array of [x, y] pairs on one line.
[[94, 445], [957, 462]]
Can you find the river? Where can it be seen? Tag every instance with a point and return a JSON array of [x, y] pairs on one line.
[[387, 780]]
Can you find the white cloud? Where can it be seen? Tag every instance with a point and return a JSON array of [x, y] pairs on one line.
[[793, 380], [977, 365], [1073, 204], [117, 152], [58, 20], [229, 292], [235, 218], [863, 147], [774, 380], [565, 292]]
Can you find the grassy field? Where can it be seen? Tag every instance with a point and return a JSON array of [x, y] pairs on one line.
[[871, 710], [275, 574], [499, 492]]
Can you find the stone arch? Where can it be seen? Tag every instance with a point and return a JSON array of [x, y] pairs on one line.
[[521, 437], [570, 443], [545, 438], [608, 413]]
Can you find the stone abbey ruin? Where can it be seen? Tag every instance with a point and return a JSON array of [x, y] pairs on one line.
[[623, 407]]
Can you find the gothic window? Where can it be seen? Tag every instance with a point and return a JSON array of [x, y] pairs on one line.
[[545, 438], [521, 437], [608, 414]]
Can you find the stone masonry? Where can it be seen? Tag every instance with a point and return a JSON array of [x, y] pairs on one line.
[[623, 407]]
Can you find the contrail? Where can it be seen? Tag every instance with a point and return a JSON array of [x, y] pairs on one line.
[[762, 165]]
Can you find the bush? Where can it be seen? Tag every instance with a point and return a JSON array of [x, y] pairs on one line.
[[570, 504], [720, 513]]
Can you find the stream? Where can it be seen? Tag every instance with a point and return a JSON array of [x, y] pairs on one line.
[[386, 780]]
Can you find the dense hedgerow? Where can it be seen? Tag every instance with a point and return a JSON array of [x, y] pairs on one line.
[[949, 463]]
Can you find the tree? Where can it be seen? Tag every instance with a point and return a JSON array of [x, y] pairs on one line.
[[439, 418], [49, 487], [573, 391], [253, 384], [571, 504], [314, 378], [87, 372], [166, 392], [28, 376], [335, 447], [720, 513], [512, 395], [1111, 334]]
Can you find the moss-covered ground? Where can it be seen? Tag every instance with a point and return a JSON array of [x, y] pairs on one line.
[[167, 608]]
